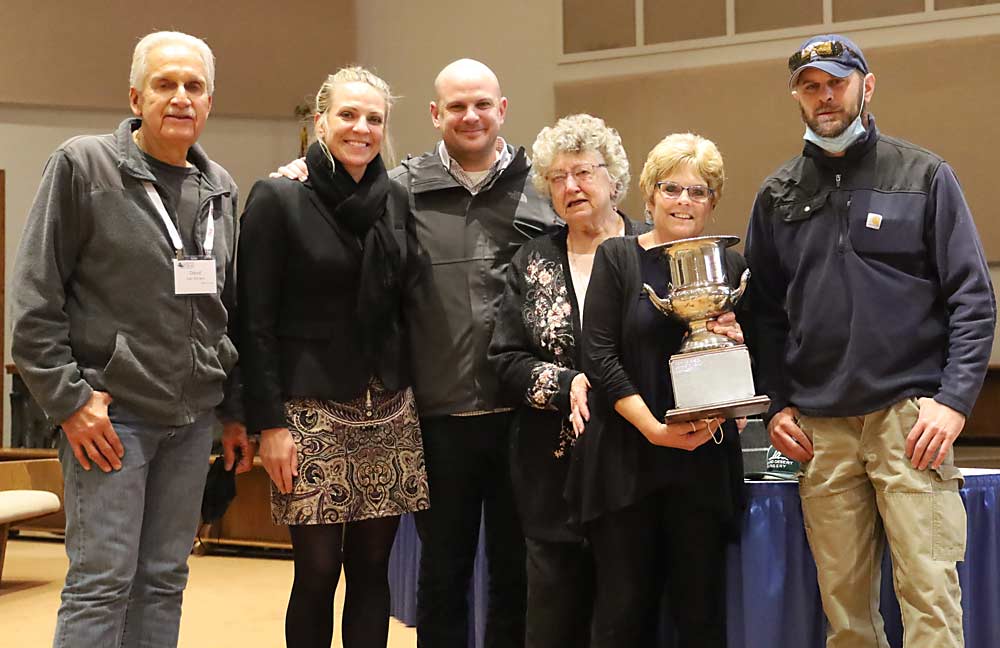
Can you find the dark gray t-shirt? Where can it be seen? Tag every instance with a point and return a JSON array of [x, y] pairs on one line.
[[182, 189]]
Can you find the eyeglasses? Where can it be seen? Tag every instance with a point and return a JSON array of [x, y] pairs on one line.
[[673, 190], [823, 49], [582, 173]]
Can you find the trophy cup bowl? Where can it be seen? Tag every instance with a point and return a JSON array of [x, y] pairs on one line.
[[699, 290], [710, 374]]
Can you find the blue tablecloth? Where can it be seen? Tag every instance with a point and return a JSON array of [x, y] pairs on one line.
[[773, 599]]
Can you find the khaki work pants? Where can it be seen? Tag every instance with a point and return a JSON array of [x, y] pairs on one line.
[[860, 490]]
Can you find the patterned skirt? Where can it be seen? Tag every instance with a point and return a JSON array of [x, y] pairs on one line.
[[358, 460]]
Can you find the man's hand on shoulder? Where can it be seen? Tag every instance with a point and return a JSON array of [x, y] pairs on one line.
[[91, 435], [932, 436], [294, 170], [788, 437]]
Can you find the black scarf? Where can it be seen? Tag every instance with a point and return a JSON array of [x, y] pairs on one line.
[[361, 208]]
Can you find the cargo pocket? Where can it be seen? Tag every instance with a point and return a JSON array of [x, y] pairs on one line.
[[949, 521]]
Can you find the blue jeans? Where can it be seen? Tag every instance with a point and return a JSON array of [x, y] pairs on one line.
[[129, 533]]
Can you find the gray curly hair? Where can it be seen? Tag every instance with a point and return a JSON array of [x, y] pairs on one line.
[[579, 134]]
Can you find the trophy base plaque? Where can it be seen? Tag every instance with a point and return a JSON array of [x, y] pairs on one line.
[[730, 410], [714, 383]]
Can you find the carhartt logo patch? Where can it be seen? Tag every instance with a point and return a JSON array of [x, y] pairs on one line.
[[874, 221]]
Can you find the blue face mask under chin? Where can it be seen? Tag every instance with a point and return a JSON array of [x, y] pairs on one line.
[[839, 144]]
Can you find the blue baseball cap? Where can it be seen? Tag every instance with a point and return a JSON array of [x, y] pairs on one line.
[[832, 53]]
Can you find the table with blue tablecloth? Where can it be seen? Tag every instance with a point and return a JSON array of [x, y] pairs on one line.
[[773, 599]]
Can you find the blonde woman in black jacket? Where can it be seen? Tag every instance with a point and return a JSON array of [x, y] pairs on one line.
[[326, 382]]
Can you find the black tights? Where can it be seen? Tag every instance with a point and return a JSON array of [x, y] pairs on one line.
[[320, 550]]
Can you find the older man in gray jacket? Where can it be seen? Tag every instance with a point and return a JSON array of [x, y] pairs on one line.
[[122, 288]]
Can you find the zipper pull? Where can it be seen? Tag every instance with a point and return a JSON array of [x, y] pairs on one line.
[[837, 178]]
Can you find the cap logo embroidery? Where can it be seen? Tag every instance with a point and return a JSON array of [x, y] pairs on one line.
[[874, 221]]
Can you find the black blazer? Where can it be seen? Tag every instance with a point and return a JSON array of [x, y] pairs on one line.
[[297, 277]]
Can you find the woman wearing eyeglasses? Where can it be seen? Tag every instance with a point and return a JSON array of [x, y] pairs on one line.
[[580, 164], [659, 501]]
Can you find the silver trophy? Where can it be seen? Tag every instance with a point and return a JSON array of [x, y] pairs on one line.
[[710, 374]]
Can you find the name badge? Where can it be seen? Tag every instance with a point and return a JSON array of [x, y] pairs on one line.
[[194, 276]]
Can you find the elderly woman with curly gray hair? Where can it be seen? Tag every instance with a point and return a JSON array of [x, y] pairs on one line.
[[537, 344]]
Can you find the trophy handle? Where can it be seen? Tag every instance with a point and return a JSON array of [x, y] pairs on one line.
[[663, 305], [735, 297]]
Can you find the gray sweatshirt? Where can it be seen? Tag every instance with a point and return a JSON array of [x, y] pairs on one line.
[[94, 304]]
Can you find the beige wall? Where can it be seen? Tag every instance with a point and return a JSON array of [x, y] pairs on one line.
[[921, 95], [271, 55], [409, 42]]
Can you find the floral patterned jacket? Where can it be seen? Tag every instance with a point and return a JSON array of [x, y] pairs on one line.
[[536, 351]]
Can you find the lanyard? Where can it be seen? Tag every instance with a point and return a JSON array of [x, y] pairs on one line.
[[175, 237]]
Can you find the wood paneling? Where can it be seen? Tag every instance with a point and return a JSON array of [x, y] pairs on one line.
[[760, 15], [666, 21], [984, 422], [590, 25], [955, 4], [844, 10], [248, 519]]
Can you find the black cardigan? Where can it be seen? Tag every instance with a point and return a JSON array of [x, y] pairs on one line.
[[614, 466], [536, 353], [298, 273]]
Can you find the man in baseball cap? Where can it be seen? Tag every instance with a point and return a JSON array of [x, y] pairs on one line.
[[874, 315], [831, 61]]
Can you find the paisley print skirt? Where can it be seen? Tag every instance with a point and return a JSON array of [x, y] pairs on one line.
[[358, 460]]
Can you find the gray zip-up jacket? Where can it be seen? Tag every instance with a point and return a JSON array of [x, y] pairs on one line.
[[94, 304], [467, 242]]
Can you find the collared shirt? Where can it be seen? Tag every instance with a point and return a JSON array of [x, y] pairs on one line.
[[474, 181]]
